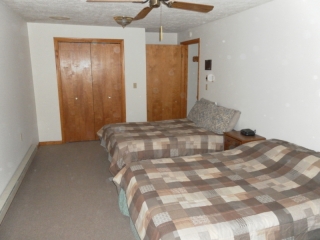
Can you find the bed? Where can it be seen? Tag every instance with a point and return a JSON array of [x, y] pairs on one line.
[[260, 190], [201, 132]]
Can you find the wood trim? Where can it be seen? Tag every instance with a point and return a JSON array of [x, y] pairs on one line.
[[198, 85], [56, 51], [195, 41], [184, 84], [50, 143], [124, 117], [86, 40]]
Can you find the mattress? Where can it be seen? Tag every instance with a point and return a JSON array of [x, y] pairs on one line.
[[260, 190], [132, 142]]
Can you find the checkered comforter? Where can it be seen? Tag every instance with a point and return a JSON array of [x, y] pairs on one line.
[[260, 190], [131, 142]]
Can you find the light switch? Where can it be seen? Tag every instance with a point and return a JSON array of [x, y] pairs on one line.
[[210, 78], [134, 85]]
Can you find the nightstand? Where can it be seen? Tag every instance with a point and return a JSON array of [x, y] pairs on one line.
[[234, 139]]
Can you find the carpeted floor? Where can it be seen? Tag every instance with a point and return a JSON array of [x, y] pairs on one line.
[[66, 194]]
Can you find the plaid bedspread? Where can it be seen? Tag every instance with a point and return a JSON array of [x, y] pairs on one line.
[[260, 190], [131, 142]]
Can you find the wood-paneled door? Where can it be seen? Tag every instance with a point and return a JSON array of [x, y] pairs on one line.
[[166, 81], [91, 86], [108, 87], [77, 98]]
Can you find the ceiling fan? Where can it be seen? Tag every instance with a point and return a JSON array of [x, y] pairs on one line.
[[156, 3]]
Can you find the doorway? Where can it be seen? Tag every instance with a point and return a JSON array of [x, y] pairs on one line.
[[193, 72]]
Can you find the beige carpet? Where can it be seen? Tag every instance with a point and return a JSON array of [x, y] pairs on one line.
[[66, 194]]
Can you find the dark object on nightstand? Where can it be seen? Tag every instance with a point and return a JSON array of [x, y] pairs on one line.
[[248, 132], [235, 138]]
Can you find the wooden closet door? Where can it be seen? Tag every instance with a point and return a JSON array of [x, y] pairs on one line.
[[77, 100], [166, 82], [107, 84]]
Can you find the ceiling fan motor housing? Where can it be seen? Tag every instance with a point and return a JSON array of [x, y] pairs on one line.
[[154, 3]]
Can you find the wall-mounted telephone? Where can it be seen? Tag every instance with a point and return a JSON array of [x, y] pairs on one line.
[[248, 132]]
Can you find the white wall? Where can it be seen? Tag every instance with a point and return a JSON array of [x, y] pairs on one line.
[[45, 79], [192, 76], [168, 38], [267, 64], [17, 106]]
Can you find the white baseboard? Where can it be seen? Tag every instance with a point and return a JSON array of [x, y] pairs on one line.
[[14, 183]]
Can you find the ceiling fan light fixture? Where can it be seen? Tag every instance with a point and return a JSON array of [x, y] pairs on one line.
[[123, 21], [160, 34], [154, 3]]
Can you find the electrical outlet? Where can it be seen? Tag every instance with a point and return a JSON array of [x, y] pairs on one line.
[[134, 85], [21, 137], [206, 86]]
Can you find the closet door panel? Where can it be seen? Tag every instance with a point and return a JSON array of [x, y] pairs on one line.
[[165, 82], [75, 75], [107, 83]]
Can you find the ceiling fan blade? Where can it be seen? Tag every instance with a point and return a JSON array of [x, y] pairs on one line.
[[191, 6], [143, 13], [136, 1]]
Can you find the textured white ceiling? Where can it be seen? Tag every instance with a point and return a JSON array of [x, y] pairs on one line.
[[81, 12]]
